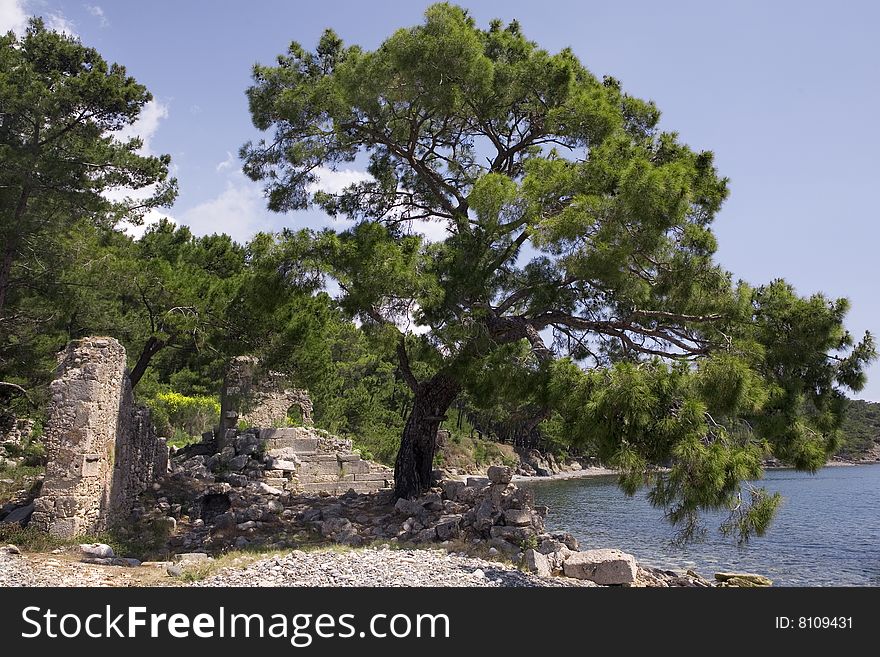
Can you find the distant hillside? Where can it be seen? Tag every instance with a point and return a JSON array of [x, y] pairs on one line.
[[861, 431]]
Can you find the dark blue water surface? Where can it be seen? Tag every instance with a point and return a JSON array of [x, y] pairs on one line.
[[826, 532]]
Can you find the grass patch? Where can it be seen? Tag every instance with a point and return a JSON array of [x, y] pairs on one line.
[[29, 539], [181, 440]]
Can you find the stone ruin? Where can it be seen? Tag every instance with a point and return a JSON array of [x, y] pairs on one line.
[[257, 399], [102, 449], [297, 460], [103, 452], [15, 435]]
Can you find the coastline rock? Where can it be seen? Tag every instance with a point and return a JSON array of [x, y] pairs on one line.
[[500, 474], [607, 567], [537, 563], [742, 579]]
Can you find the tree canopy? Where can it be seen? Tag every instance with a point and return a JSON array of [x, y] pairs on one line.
[[577, 274], [61, 109]]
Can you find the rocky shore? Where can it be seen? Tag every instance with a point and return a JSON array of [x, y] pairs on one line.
[[370, 566]]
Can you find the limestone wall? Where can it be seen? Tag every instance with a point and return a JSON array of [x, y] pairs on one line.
[[101, 448]]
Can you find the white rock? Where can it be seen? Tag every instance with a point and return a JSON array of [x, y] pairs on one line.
[[96, 550], [606, 567]]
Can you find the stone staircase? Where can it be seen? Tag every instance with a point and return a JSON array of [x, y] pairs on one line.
[[300, 465]]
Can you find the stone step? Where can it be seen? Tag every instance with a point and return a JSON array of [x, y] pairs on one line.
[[299, 446], [320, 458], [373, 476], [340, 488]]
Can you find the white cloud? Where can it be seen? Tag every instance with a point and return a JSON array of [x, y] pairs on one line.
[[98, 12], [432, 231], [237, 211], [146, 125], [228, 163], [12, 16], [333, 182], [152, 217], [58, 22]]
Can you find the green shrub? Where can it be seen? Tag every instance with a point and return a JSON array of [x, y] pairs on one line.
[[174, 414]]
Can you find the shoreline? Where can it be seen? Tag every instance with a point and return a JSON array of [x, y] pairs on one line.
[[569, 474], [599, 471]]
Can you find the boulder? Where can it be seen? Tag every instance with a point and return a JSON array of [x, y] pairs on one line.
[[518, 517], [485, 515], [336, 527], [451, 488], [449, 528], [537, 563], [515, 535], [96, 551], [500, 474], [427, 535], [238, 462], [408, 507], [606, 567]]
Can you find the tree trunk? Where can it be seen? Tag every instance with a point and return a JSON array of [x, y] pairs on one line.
[[415, 459], [153, 346]]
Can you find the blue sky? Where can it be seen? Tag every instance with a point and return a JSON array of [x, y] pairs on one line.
[[784, 93]]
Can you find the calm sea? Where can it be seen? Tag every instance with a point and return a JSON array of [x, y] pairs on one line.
[[826, 533]]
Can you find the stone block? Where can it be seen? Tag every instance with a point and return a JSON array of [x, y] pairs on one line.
[[354, 467], [605, 567], [91, 465], [372, 476], [316, 469], [64, 527]]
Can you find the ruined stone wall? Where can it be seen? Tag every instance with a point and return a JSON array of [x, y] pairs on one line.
[[101, 448], [258, 398], [18, 432]]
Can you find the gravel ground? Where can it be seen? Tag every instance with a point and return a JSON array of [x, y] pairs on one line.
[[365, 567], [65, 570], [380, 567]]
